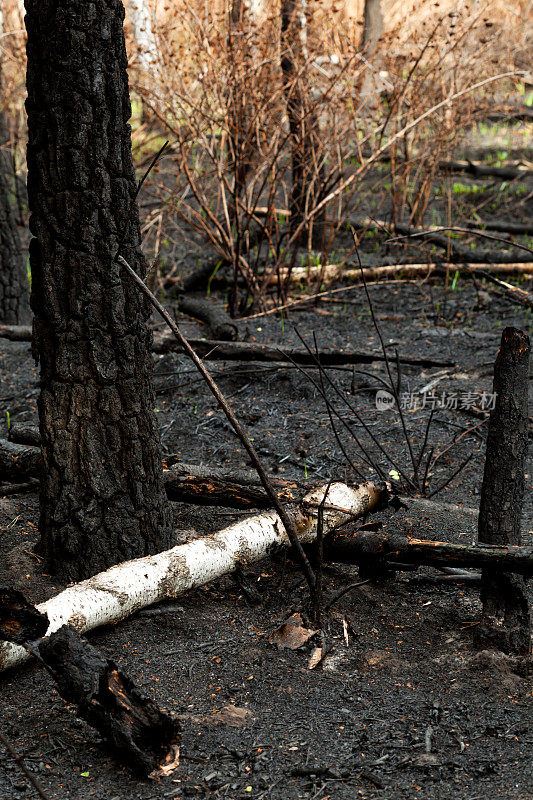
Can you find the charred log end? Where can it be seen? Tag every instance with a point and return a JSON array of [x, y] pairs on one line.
[[142, 736], [20, 621], [146, 728]]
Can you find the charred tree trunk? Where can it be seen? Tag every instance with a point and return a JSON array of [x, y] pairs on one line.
[[14, 286], [506, 621], [303, 124], [102, 498]]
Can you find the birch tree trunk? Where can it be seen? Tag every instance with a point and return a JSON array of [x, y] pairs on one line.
[[143, 32], [126, 588], [102, 498]]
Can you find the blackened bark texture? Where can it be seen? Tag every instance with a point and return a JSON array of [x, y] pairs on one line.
[[141, 735], [307, 173], [14, 286], [102, 499], [505, 623]]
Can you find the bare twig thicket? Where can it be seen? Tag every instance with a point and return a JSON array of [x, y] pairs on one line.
[[225, 102], [212, 75]]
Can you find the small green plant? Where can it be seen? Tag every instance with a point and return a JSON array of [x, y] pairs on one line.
[[217, 267], [8, 420], [459, 188]]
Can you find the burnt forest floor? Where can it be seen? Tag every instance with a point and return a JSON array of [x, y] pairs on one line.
[[404, 707]]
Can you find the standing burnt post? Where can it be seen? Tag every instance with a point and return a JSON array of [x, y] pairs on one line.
[[505, 623]]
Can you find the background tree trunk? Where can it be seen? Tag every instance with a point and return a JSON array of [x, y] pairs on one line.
[[14, 285], [303, 122], [505, 624], [102, 498], [143, 33], [372, 26], [373, 29]]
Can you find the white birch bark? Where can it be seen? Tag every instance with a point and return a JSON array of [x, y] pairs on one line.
[[122, 590], [143, 32]]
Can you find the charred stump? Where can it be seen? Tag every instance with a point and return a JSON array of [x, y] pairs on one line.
[[505, 623], [102, 499]]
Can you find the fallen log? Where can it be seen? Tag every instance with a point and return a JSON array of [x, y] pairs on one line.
[[16, 333], [185, 483], [456, 252], [331, 272], [18, 462], [211, 350], [220, 323], [502, 226], [480, 170], [140, 734], [126, 588], [378, 547], [215, 350], [506, 621], [21, 433], [200, 485]]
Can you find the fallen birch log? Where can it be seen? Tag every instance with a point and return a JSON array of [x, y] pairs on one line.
[[331, 272], [370, 547], [126, 588]]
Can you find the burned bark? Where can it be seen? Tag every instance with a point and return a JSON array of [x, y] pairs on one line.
[[141, 735], [102, 496], [220, 323], [377, 551], [505, 623]]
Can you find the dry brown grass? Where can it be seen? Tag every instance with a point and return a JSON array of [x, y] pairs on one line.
[[218, 94]]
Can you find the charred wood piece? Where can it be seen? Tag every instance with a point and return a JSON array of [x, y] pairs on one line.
[[20, 621], [18, 462], [24, 434], [369, 547], [142, 736], [220, 323]]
